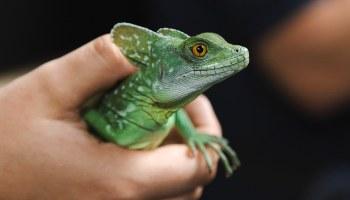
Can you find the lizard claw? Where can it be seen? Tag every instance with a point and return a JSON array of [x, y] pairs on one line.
[[192, 146], [220, 146]]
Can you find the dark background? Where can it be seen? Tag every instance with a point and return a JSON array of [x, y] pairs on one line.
[[286, 154]]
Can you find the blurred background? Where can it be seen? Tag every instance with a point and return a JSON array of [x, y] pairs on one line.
[[287, 114]]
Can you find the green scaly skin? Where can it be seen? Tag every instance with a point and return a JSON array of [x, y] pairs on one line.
[[141, 111]]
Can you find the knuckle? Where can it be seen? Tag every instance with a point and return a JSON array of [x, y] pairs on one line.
[[197, 193], [205, 101], [104, 50], [215, 157], [108, 54], [215, 126], [103, 45], [204, 177], [209, 177]]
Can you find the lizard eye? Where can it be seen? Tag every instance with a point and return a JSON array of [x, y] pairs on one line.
[[199, 50]]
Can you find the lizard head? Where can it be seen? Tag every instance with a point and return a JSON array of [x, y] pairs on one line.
[[188, 67], [180, 67]]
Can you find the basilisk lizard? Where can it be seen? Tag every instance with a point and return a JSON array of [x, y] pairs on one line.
[[173, 69]]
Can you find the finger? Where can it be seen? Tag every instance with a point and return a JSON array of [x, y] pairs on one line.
[[91, 68], [156, 171], [172, 177], [203, 116], [195, 194]]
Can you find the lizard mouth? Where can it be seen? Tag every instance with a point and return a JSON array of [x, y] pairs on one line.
[[230, 67]]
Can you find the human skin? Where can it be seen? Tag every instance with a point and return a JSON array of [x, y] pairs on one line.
[[309, 54], [46, 151]]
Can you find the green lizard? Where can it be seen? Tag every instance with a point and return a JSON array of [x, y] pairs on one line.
[[173, 69]]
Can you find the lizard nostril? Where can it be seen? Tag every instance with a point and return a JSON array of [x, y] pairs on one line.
[[237, 50]]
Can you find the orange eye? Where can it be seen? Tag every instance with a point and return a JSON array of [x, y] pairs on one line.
[[199, 50]]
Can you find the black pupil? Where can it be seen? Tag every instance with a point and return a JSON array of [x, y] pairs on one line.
[[200, 49]]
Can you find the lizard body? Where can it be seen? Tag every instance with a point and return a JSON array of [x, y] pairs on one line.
[[173, 69]]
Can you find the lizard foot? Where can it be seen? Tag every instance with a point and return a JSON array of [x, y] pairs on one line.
[[220, 145]]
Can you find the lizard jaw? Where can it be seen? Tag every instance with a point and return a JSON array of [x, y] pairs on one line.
[[230, 67]]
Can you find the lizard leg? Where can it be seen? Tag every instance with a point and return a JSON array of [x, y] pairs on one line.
[[196, 140]]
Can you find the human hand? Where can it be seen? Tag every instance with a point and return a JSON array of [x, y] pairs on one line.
[[46, 151]]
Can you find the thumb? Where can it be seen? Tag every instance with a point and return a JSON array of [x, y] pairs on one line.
[[87, 70]]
